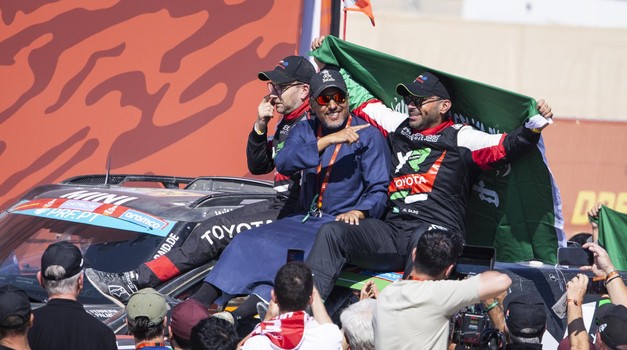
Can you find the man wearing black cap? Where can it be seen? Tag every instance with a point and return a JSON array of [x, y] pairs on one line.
[[433, 166], [345, 173], [525, 318], [611, 327], [63, 323], [15, 318], [288, 94]]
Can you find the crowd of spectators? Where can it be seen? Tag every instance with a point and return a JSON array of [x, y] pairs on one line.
[[411, 313]]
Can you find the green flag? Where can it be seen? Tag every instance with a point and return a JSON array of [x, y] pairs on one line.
[[612, 234], [516, 209]]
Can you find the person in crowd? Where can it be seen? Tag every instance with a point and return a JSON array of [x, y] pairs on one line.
[[611, 326], [214, 333], [185, 316], [415, 312], [146, 318], [611, 320], [287, 325], [604, 268], [345, 166], [15, 318], [288, 95], [432, 168], [63, 323], [525, 317], [357, 325]]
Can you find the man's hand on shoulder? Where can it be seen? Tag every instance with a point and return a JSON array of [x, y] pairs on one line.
[[347, 135]]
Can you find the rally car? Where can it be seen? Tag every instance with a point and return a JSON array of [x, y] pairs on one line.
[[118, 222], [121, 221]]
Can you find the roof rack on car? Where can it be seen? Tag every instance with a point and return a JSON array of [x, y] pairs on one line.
[[121, 179]]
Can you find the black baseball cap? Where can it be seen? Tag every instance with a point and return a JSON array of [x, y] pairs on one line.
[[13, 302], [64, 254], [325, 79], [425, 85], [289, 69], [612, 324], [525, 314]]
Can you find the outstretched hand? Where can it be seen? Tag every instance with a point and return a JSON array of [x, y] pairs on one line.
[[602, 262], [576, 288]]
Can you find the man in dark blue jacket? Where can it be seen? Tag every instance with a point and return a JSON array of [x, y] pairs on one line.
[[345, 173]]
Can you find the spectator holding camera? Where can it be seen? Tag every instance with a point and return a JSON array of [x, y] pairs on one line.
[[287, 325], [611, 320], [603, 267], [415, 312]]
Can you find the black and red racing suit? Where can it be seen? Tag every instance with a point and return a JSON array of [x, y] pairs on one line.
[[432, 172], [210, 238]]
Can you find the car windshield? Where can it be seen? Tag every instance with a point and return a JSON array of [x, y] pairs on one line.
[[24, 237]]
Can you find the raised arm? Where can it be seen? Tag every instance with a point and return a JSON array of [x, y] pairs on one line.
[[258, 148]]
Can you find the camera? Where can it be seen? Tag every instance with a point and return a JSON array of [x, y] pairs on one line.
[[574, 256], [474, 260], [471, 329]]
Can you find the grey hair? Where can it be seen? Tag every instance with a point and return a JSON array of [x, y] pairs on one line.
[[64, 286], [522, 340], [357, 324]]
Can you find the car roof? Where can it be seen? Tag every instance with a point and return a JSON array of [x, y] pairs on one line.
[[157, 195]]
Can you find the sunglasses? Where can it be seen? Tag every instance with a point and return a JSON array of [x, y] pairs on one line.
[[280, 89], [324, 100], [418, 101]]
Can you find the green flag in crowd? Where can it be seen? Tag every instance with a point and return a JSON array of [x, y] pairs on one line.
[[612, 234], [516, 209]]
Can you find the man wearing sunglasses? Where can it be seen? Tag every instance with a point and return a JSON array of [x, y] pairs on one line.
[[345, 173], [434, 161], [288, 94]]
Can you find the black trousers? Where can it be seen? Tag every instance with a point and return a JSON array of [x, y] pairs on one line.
[[209, 239], [373, 245]]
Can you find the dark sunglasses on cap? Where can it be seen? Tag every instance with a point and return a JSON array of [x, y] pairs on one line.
[[324, 100], [418, 101]]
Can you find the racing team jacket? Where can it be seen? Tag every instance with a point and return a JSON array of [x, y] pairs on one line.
[[358, 179], [261, 150], [432, 171]]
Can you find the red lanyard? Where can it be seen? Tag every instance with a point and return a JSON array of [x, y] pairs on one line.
[[325, 181]]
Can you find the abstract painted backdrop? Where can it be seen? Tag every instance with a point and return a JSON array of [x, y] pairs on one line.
[[163, 87]]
